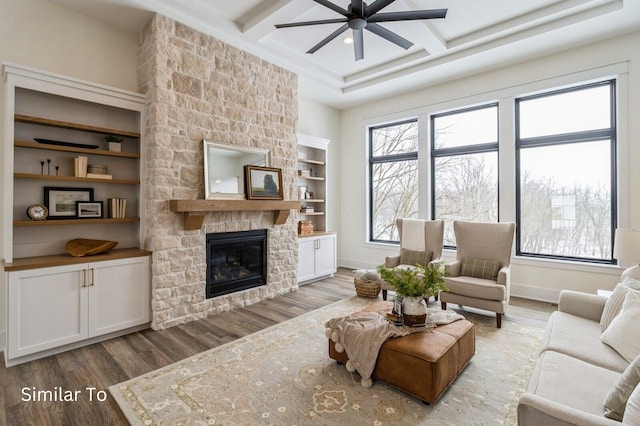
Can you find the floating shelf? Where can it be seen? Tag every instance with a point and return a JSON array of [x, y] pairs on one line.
[[74, 126], [193, 211], [75, 179], [35, 145]]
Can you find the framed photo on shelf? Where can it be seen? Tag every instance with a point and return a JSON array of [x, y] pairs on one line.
[[263, 183], [61, 202], [89, 209]]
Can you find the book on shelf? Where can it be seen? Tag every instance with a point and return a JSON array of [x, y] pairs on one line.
[[99, 176], [80, 166], [117, 207]]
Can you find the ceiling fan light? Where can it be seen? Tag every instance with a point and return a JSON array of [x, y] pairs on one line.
[[348, 40]]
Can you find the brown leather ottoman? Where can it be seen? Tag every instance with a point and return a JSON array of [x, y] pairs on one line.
[[422, 364]]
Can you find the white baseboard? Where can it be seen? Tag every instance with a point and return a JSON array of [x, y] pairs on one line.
[[535, 293], [3, 341]]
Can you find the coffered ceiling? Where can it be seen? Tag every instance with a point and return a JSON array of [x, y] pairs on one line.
[[476, 35]]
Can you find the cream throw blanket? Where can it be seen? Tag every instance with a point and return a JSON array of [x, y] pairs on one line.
[[413, 234], [361, 336]]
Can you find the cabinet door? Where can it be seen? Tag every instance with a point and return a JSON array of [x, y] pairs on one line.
[[119, 294], [46, 308], [306, 259], [326, 255]]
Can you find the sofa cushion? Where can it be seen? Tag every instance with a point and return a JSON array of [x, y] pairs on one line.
[[623, 334], [614, 303], [415, 257], [632, 413], [616, 401], [580, 338], [480, 268], [571, 382]]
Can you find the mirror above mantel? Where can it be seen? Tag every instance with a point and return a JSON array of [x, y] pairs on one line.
[[224, 168]]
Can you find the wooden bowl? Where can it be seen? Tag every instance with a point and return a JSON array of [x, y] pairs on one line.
[[86, 247]]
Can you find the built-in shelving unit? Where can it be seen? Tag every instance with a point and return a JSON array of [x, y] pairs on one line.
[[317, 250], [88, 298]]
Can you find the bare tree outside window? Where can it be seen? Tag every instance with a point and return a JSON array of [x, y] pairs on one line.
[[394, 177], [465, 167], [566, 170]]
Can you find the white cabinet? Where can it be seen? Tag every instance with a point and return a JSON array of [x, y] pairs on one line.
[[51, 307], [316, 257]]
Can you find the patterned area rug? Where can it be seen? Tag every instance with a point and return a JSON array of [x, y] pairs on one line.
[[283, 376]]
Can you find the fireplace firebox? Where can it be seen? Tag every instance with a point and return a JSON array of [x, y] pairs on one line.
[[236, 261]]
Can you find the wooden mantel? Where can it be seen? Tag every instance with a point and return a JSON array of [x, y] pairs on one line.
[[193, 211]]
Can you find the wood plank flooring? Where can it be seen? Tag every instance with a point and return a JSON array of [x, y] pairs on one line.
[[104, 364]]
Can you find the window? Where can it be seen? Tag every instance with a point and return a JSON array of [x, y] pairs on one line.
[[393, 169], [464, 157], [565, 142]]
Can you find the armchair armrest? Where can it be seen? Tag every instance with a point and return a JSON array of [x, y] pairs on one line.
[[535, 410], [503, 275], [453, 269], [585, 305], [392, 261]]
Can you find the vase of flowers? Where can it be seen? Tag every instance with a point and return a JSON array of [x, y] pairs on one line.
[[414, 284]]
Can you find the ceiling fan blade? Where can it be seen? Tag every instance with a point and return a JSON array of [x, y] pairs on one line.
[[305, 23], [409, 15], [357, 7], [333, 7], [376, 6], [330, 37], [358, 44], [388, 35]]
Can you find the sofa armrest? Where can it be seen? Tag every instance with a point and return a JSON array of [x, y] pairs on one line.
[[453, 269], [392, 261], [535, 410], [583, 305]]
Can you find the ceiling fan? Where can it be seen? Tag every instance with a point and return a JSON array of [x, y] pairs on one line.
[[360, 16]]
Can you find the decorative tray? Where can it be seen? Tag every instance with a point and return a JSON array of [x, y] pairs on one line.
[[70, 144]]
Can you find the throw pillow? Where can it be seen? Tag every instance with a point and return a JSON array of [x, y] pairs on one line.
[[632, 413], [623, 334], [613, 305], [480, 268], [415, 257], [616, 400]]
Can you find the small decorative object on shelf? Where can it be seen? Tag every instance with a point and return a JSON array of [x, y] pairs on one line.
[[114, 143], [80, 166], [305, 227], [307, 209], [89, 209], [37, 212], [86, 247]]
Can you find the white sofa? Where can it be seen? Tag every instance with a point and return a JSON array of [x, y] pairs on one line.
[[575, 370]]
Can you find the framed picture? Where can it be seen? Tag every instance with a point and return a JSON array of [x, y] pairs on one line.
[[263, 183], [61, 202], [89, 209]]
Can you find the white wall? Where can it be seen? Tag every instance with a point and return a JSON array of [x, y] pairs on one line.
[[532, 278], [44, 35]]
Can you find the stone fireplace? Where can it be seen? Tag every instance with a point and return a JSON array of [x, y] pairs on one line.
[[199, 88]]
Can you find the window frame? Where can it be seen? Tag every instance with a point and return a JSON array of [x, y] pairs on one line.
[[381, 159], [610, 133], [480, 148]]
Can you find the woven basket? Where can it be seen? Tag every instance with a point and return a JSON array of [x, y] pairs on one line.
[[369, 289]]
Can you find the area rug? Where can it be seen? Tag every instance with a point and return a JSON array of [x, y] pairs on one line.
[[282, 376]]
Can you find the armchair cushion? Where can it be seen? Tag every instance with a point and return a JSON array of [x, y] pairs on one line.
[[475, 287], [415, 257], [480, 268], [616, 400]]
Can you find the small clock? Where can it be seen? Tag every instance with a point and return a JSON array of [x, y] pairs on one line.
[[37, 212]]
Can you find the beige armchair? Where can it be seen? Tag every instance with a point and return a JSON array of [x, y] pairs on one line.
[[479, 277], [420, 244]]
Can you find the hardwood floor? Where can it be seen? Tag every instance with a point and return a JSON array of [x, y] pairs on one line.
[[104, 364]]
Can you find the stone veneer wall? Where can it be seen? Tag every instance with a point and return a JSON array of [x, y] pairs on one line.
[[199, 88]]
